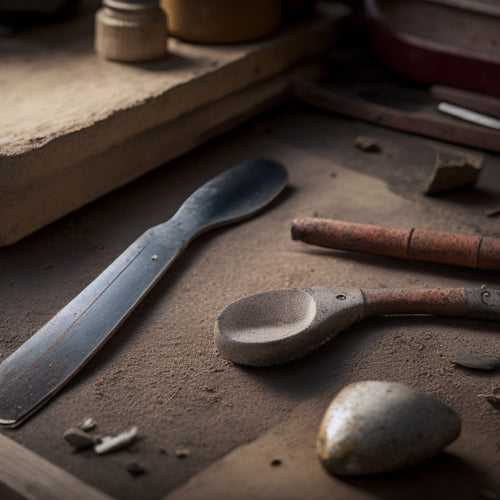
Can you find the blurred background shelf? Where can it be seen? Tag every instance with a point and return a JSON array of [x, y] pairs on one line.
[[77, 126]]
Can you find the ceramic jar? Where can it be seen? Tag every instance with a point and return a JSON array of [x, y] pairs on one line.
[[222, 21]]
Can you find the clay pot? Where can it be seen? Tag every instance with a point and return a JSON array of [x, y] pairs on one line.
[[222, 21]]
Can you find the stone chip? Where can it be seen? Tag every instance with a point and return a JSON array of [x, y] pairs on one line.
[[373, 427]]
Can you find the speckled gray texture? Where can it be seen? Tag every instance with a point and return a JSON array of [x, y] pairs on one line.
[[374, 426]]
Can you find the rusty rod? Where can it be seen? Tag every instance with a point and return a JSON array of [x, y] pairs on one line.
[[477, 252]]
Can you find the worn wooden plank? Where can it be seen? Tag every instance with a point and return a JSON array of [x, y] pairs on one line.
[[25, 474], [80, 109], [420, 122], [57, 194]]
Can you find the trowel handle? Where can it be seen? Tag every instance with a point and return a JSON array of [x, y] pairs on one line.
[[478, 252], [481, 303]]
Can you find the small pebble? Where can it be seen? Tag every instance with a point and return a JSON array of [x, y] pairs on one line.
[[113, 443], [454, 169], [78, 439], [478, 361], [367, 144], [135, 469], [182, 453], [492, 212], [87, 425], [373, 427], [494, 401]]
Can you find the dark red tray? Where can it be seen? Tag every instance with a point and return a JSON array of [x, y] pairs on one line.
[[439, 42]]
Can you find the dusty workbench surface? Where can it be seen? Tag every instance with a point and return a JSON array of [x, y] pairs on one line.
[[80, 126], [194, 410]]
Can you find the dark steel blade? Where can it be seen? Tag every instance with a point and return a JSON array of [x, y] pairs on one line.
[[48, 360]]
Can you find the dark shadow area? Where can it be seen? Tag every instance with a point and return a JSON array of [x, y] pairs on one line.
[[73, 24], [170, 64], [444, 476], [408, 266], [8, 494], [26, 15], [336, 359], [471, 196]]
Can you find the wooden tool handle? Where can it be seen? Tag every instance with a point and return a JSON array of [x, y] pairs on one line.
[[478, 252], [479, 303]]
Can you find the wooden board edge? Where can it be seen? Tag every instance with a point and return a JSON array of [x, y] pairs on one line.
[[83, 182], [420, 123], [28, 475]]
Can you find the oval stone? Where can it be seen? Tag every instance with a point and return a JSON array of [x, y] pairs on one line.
[[372, 427]]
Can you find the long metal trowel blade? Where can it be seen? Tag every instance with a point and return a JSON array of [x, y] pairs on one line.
[[49, 359]]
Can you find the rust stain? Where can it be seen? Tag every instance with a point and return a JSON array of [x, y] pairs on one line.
[[412, 244]]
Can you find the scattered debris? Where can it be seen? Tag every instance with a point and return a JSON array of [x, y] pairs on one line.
[[367, 144], [87, 425], [136, 469], [113, 443], [478, 361], [374, 427], [79, 439], [493, 398], [492, 212], [494, 401], [469, 115], [182, 453], [454, 169]]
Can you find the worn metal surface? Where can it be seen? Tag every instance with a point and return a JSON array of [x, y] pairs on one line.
[[43, 364]]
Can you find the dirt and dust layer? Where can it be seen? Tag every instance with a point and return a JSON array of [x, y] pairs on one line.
[[161, 372]]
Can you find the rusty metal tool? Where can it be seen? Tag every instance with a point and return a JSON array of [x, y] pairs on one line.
[[477, 252], [49, 359], [278, 326]]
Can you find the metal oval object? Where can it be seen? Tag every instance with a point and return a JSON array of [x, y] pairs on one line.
[[373, 427]]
